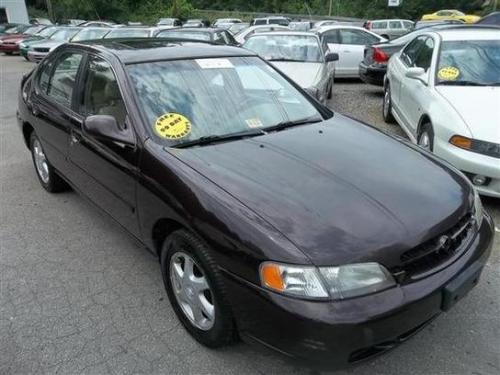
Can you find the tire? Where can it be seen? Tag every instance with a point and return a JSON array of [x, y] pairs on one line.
[[213, 333], [9, 53], [426, 137], [387, 105], [330, 90], [48, 177]]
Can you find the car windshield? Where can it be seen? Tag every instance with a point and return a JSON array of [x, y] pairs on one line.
[[469, 62], [128, 33], [64, 34], [17, 29], [303, 48], [48, 31], [203, 36], [33, 30], [90, 34], [167, 21], [215, 97]]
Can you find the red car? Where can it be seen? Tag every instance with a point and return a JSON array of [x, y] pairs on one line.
[[9, 43]]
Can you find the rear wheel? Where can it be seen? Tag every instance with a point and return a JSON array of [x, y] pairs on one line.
[[196, 290], [387, 105], [48, 177], [426, 137]]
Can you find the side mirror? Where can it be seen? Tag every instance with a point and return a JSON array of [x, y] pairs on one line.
[[331, 56], [105, 128], [417, 73]]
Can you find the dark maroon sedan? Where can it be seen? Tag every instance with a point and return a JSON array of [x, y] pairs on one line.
[[274, 219]]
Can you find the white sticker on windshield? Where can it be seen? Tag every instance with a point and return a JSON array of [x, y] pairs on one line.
[[215, 64], [254, 123]]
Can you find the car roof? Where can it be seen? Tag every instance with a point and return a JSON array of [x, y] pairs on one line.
[[340, 26], [284, 32], [194, 29], [139, 50], [468, 33]]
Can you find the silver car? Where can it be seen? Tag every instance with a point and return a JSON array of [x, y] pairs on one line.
[[390, 29], [301, 56], [39, 50]]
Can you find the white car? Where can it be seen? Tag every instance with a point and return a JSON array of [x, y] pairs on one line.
[[349, 43], [443, 89], [243, 35]]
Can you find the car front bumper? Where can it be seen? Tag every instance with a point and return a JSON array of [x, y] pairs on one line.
[[9, 47], [374, 75], [472, 163], [338, 333], [35, 56]]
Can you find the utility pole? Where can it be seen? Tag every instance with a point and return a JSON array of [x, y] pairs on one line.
[[330, 9], [50, 10]]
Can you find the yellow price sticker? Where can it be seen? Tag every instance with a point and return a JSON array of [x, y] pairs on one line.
[[172, 126], [448, 73]]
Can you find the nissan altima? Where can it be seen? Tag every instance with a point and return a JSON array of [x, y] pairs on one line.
[[274, 219]]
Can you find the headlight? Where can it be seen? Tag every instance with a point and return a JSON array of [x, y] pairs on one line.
[[341, 282], [1, 41], [22, 45], [474, 145], [301, 281], [478, 209]]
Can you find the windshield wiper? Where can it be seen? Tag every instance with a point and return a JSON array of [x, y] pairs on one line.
[[462, 83], [289, 124], [209, 139], [285, 59]]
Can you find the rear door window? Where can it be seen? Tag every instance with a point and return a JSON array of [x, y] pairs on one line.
[[331, 37], [379, 25], [395, 25], [356, 37], [63, 79]]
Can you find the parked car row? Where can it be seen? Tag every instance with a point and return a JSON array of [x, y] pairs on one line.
[[273, 218]]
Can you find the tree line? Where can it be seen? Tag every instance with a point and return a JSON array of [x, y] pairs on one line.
[[151, 10]]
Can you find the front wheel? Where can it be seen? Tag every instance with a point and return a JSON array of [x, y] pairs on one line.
[[48, 177], [426, 137], [195, 289], [387, 105]]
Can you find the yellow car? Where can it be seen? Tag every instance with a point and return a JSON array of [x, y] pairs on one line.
[[450, 15]]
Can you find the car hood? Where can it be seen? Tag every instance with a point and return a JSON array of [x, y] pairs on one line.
[[341, 191], [305, 74], [49, 44], [479, 107]]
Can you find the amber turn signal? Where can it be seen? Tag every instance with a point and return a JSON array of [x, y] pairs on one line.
[[271, 276], [462, 142]]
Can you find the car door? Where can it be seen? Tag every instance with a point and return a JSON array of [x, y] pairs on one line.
[[332, 40], [414, 92], [395, 28], [351, 50], [52, 104], [105, 171]]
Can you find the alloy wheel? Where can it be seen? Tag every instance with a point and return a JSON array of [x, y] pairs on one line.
[[425, 141], [192, 291], [42, 166]]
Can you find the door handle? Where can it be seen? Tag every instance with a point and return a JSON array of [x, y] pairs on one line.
[[35, 111], [74, 139]]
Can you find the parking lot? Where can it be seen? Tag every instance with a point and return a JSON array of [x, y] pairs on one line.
[[78, 295]]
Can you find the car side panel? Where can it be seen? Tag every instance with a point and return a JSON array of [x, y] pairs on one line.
[[171, 191]]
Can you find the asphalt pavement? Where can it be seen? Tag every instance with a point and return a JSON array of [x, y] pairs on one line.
[[78, 295]]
